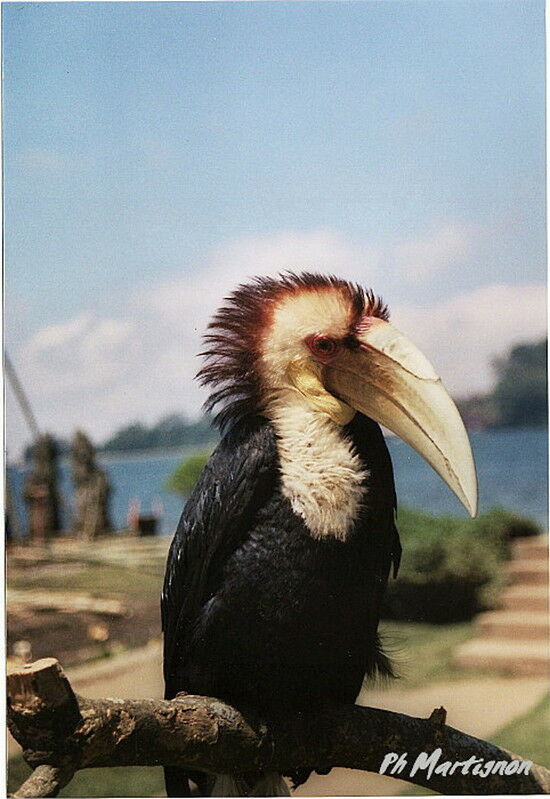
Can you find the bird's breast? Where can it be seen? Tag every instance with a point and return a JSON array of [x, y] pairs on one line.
[[322, 475]]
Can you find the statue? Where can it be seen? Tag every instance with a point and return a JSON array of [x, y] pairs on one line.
[[40, 491], [92, 490]]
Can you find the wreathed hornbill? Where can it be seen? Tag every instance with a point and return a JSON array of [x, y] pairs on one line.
[[279, 564]]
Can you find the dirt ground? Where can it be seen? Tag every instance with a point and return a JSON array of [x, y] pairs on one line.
[[80, 602], [71, 635]]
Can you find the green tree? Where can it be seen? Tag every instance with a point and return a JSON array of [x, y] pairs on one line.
[[521, 390], [186, 475], [170, 431], [134, 436]]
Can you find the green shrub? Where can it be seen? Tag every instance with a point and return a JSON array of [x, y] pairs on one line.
[[186, 475], [451, 568]]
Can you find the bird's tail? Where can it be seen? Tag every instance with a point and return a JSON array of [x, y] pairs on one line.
[[177, 782], [266, 784]]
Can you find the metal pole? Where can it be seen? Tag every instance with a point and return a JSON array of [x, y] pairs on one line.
[[25, 406], [21, 396]]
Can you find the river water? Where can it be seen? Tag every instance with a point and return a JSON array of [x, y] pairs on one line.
[[512, 468]]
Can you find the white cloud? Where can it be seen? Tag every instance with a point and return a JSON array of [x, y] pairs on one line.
[[78, 355], [319, 250], [106, 336], [54, 336], [102, 373], [240, 259], [461, 335], [420, 257]]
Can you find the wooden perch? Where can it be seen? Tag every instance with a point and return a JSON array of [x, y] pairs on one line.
[[61, 733]]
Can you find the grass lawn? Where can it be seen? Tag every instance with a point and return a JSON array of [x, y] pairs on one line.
[[98, 782], [98, 579], [529, 735], [422, 653]]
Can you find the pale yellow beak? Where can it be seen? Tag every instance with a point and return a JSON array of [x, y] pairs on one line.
[[388, 379]]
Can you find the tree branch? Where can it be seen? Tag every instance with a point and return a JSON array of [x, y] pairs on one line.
[[61, 733], [45, 781]]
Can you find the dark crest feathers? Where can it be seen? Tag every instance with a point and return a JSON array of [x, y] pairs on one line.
[[234, 338]]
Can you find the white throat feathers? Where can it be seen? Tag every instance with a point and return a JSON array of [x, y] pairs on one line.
[[321, 473]]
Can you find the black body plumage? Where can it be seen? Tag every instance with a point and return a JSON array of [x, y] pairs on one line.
[[255, 610]]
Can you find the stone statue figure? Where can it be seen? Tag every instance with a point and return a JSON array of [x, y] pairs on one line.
[[40, 491], [92, 489]]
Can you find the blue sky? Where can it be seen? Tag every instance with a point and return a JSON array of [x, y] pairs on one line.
[[156, 153]]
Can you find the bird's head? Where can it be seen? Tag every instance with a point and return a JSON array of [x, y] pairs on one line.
[[330, 341]]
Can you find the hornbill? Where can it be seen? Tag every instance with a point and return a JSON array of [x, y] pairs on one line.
[[277, 570]]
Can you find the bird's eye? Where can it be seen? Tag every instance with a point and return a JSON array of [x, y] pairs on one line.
[[325, 345], [322, 346]]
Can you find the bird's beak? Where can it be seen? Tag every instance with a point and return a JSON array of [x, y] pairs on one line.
[[388, 379]]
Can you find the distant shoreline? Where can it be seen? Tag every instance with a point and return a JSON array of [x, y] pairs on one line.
[[114, 455]]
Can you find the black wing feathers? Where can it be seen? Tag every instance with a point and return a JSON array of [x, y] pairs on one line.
[[381, 499], [237, 481]]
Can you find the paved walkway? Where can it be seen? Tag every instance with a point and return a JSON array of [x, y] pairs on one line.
[[477, 706], [513, 638]]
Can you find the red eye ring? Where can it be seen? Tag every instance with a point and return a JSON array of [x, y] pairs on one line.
[[322, 346]]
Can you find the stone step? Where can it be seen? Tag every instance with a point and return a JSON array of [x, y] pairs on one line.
[[531, 548], [514, 625], [525, 597], [528, 572], [519, 657]]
